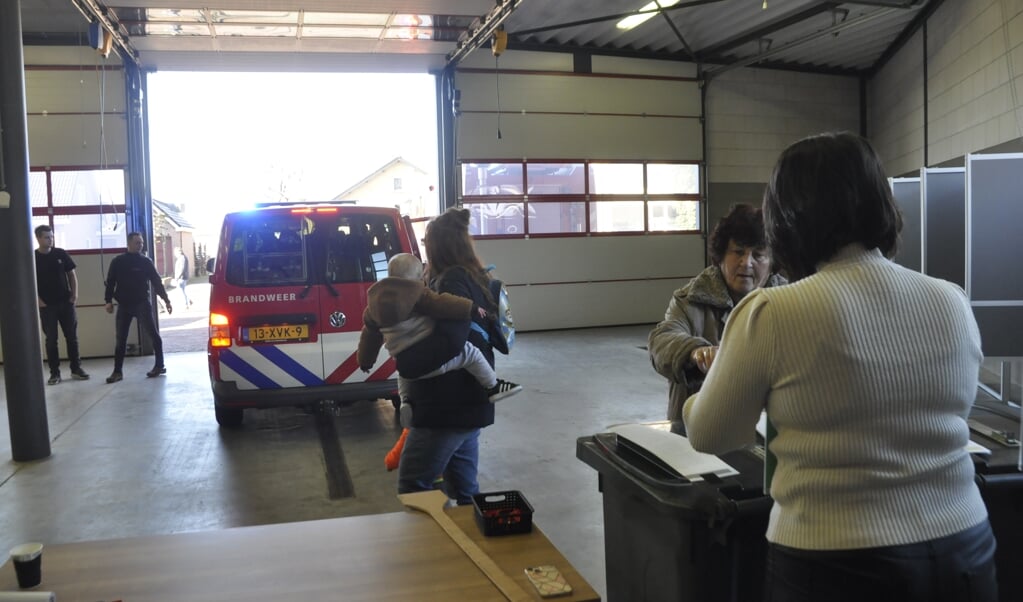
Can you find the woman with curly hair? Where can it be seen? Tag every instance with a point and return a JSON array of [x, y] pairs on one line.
[[682, 346]]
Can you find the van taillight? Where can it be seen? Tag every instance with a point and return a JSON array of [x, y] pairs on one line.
[[305, 210], [220, 330]]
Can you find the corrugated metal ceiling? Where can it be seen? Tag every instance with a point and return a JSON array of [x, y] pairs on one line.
[[839, 37]]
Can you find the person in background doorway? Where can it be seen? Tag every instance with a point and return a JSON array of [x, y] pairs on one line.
[[683, 345], [867, 372], [128, 281], [56, 295], [181, 273]]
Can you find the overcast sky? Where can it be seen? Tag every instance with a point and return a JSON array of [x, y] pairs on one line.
[[222, 141]]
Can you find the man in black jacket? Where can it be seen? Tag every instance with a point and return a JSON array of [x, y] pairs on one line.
[[128, 281], [56, 295]]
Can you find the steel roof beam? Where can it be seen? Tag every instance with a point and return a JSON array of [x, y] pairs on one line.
[[907, 33], [888, 3], [756, 58], [767, 29], [614, 17], [678, 34]]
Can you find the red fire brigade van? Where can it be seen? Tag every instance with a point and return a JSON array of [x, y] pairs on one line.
[[286, 301]]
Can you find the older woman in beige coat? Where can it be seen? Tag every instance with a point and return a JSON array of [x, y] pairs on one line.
[[683, 345]]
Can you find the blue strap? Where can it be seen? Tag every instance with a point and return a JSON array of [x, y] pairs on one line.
[[479, 329]]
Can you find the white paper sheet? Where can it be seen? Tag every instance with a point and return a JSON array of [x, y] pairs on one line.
[[674, 450]]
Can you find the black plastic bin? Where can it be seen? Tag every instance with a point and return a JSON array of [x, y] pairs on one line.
[[1001, 485], [668, 539]]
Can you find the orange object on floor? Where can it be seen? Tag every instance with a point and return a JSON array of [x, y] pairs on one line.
[[394, 456]]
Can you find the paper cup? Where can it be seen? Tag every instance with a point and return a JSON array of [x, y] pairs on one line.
[[28, 564]]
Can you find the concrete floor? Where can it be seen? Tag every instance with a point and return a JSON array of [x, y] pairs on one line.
[[145, 456]]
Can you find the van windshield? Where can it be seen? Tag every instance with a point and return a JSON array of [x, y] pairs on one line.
[[289, 249]]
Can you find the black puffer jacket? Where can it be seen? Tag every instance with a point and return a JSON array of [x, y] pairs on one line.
[[455, 399]]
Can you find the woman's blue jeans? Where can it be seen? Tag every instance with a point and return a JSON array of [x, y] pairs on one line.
[[957, 568], [451, 452]]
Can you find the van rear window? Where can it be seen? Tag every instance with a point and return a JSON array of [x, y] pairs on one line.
[[289, 249]]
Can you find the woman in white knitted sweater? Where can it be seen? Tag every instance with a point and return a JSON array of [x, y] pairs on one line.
[[867, 371]]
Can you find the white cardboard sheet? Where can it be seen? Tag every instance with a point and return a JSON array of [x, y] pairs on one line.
[[674, 450]]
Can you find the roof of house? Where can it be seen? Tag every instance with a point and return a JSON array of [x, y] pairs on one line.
[[392, 163], [173, 214]]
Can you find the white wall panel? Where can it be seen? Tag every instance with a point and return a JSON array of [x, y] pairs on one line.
[[85, 122], [81, 57], [753, 114], [627, 66], [578, 94], [591, 304], [974, 86], [895, 122], [73, 91], [589, 281], [77, 140], [534, 61], [539, 136]]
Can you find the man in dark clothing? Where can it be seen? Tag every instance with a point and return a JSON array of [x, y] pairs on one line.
[[57, 293], [128, 281]]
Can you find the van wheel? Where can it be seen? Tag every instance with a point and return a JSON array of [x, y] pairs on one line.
[[229, 417]]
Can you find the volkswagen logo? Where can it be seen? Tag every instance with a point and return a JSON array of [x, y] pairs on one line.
[[338, 319]]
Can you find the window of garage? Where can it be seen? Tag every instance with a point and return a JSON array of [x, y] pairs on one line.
[[545, 198], [83, 205]]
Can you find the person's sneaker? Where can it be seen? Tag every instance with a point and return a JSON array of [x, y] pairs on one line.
[[79, 374], [114, 377], [54, 379], [503, 389], [156, 371]]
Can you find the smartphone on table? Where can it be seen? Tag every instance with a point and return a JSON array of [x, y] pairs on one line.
[[548, 581]]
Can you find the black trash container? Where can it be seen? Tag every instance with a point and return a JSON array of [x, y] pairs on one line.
[[1000, 481], [669, 539], [666, 538]]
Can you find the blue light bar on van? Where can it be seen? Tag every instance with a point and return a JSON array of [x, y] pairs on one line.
[[302, 203]]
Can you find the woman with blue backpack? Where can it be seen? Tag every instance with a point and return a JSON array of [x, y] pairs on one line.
[[449, 410]]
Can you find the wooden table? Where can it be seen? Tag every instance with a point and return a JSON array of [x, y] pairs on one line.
[[382, 557]]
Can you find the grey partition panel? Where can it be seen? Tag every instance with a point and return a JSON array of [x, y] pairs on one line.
[[944, 232], [906, 192], [994, 214], [995, 201], [1001, 330]]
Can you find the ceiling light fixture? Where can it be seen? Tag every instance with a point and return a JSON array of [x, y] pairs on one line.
[[645, 14]]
